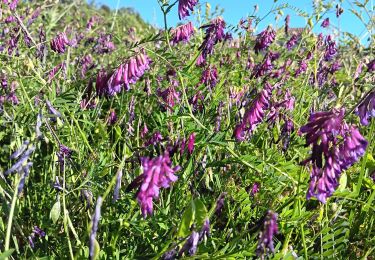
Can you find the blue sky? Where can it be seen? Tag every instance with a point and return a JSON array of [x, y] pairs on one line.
[[234, 10]]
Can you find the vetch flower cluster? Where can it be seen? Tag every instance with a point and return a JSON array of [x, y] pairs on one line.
[[157, 173], [264, 39], [184, 6], [335, 147], [59, 43], [366, 109], [254, 115], [270, 229], [214, 34], [182, 33]]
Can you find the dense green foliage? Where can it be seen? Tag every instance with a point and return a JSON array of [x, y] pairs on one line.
[[343, 228]]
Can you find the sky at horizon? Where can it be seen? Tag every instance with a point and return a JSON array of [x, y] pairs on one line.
[[234, 10]]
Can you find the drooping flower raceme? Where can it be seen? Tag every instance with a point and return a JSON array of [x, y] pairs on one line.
[[335, 147], [94, 226], [59, 43], [264, 39], [209, 77], [366, 109], [214, 34], [182, 33], [157, 173], [184, 6], [254, 115], [128, 73], [270, 229]]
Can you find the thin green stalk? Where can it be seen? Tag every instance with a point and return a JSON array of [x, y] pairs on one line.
[[66, 218], [11, 215]]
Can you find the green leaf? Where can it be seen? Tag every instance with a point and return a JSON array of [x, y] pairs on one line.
[[195, 213], [343, 182], [96, 250], [6, 253], [55, 211]]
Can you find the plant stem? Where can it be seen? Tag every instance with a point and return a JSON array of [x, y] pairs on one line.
[[11, 214]]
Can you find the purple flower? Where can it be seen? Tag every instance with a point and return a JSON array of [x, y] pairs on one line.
[[209, 77], [128, 73], [254, 115], [155, 139], [116, 192], [371, 66], [87, 63], [56, 69], [214, 34], [182, 33], [339, 144], [205, 230], [292, 42], [191, 244], [20, 151], [358, 71], [37, 232], [63, 154], [21, 164], [331, 49], [255, 188], [157, 173], [59, 43], [94, 19], [366, 109], [201, 61], [112, 117], [191, 143], [286, 130], [264, 39], [270, 228], [104, 44], [53, 111], [184, 6], [325, 23], [170, 96], [94, 226], [220, 203]]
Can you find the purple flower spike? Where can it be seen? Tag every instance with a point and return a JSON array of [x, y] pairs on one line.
[[366, 109], [371, 66], [255, 188], [19, 165], [184, 6], [182, 33], [331, 49], [339, 144], [264, 39], [220, 203], [214, 34], [128, 73], [191, 143], [190, 245], [270, 228], [325, 23], [53, 111], [59, 43], [94, 226], [292, 42], [157, 173], [209, 77], [254, 115], [116, 193]]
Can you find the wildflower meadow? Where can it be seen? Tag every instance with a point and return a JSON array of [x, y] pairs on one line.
[[204, 140]]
